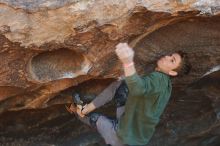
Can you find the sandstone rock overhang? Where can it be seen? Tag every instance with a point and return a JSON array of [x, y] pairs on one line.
[[48, 48], [59, 64]]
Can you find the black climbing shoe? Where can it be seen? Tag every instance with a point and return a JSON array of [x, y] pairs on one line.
[[77, 100]]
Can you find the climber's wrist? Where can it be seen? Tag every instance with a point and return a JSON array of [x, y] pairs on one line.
[[129, 64], [88, 108]]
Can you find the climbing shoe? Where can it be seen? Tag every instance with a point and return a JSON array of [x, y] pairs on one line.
[[75, 101]]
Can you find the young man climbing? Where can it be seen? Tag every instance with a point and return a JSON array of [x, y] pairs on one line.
[[140, 111]]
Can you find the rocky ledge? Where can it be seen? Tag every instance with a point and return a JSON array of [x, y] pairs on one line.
[[49, 49]]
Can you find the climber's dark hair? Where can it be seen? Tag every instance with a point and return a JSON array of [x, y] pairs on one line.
[[185, 65]]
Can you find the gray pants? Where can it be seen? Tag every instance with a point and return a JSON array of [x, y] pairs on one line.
[[105, 126]]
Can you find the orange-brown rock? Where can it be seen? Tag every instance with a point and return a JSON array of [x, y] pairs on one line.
[[49, 48]]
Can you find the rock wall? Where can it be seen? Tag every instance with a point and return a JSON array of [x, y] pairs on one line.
[[49, 48]]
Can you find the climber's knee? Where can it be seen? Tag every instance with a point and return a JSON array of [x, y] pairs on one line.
[[93, 117]]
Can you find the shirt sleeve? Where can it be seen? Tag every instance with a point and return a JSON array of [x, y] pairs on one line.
[[143, 85]]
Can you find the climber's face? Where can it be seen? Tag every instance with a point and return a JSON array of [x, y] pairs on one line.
[[167, 64]]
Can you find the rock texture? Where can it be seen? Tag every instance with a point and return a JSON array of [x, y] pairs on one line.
[[50, 48]]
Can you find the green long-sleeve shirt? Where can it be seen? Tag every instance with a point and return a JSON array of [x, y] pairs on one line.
[[147, 99]]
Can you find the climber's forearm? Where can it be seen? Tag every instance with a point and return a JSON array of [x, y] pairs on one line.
[[129, 69]]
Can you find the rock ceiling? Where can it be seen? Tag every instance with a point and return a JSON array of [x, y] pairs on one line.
[[48, 48]]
